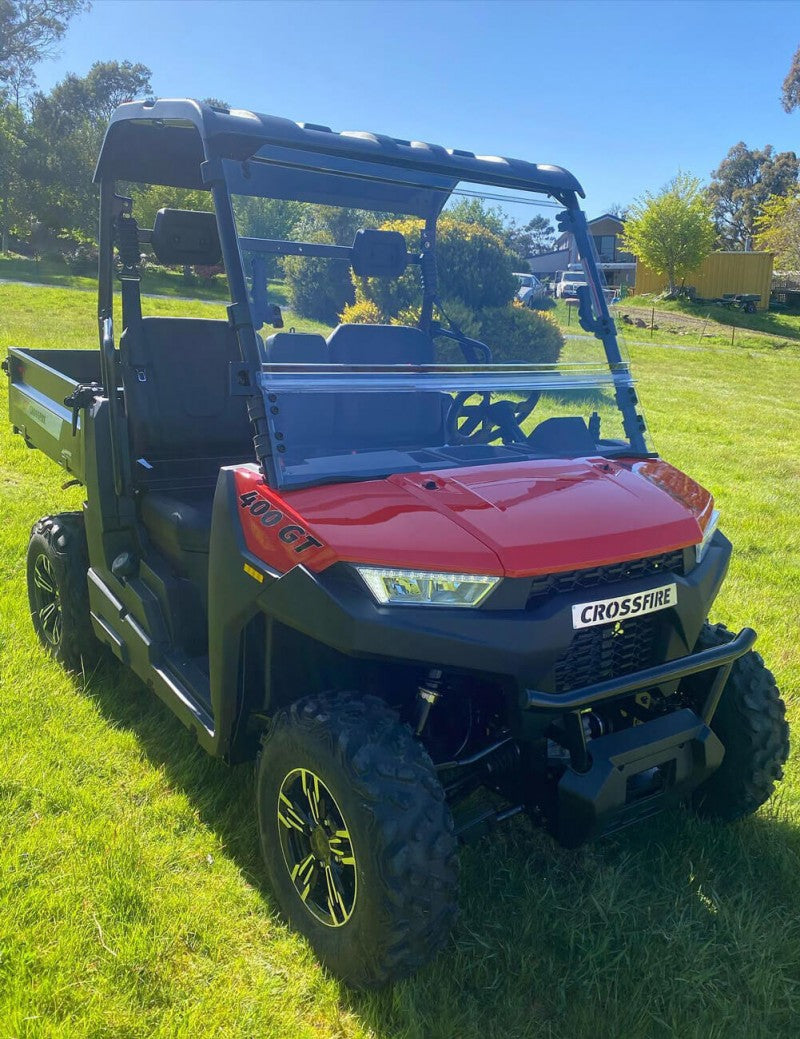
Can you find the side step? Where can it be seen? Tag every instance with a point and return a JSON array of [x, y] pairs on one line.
[[130, 643]]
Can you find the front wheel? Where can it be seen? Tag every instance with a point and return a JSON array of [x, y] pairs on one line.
[[751, 723], [356, 836]]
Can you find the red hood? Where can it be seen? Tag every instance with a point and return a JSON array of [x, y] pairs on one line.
[[513, 519]]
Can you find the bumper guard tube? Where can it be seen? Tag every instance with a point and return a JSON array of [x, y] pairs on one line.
[[721, 658]]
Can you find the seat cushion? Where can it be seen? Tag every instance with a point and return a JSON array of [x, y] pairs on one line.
[[178, 524]]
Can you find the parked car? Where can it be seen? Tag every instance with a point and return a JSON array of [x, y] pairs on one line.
[[530, 288]]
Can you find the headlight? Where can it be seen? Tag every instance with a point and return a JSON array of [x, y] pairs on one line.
[[708, 534], [424, 588]]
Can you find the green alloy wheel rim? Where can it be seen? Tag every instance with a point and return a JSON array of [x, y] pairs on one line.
[[48, 601], [317, 848]]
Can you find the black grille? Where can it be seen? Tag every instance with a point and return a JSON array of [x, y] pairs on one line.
[[607, 651], [573, 580]]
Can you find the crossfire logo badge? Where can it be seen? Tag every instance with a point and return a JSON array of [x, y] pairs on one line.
[[623, 607]]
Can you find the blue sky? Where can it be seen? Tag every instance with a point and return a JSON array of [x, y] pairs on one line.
[[622, 93]]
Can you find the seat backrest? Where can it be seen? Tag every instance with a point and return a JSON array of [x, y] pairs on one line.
[[385, 420], [379, 344], [304, 420], [175, 373]]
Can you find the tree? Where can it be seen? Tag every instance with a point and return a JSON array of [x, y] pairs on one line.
[[94, 96], [790, 94], [12, 187], [537, 236], [778, 230], [475, 211], [67, 127], [29, 31], [740, 186], [671, 232]]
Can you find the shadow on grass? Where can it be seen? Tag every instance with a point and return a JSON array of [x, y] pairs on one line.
[[674, 927]]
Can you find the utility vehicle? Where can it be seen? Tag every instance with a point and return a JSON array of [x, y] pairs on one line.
[[425, 580]]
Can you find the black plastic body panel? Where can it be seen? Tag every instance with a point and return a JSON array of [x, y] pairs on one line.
[[516, 647], [634, 774]]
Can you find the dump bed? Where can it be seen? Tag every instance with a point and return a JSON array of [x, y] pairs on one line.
[[39, 382]]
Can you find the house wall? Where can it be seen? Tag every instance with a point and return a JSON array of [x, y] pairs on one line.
[[605, 225], [546, 264], [717, 274]]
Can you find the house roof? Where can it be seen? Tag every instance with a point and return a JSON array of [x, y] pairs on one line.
[[606, 216], [166, 141]]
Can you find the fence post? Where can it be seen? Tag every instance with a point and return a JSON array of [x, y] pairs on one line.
[[652, 320]]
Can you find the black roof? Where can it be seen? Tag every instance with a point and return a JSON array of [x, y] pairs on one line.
[[165, 142]]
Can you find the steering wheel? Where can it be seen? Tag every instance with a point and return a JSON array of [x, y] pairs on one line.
[[481, 422]]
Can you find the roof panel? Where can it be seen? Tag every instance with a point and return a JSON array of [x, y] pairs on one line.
[[165, 141]]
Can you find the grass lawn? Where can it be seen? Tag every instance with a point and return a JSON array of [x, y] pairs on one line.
[[157, 283], [132, 899]]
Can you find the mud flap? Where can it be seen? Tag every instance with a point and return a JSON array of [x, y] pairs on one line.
[[633, 774]]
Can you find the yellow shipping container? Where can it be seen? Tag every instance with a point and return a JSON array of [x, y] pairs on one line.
[[717, 274]]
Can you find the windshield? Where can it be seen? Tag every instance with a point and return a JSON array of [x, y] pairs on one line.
[[335, 422], [415, 355]]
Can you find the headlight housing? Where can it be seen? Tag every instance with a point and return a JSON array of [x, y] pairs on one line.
[[708, 534], [424, 587]]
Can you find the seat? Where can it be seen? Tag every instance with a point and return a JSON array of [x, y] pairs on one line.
[[183, 426], [304, 421], [175, 374], [178, 522], [388, 419]]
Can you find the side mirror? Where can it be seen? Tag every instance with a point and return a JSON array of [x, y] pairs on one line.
[[379, 254], [183, 237]]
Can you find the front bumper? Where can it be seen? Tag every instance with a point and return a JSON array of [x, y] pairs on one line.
[[503, 642], [633, 774], [618, 779]]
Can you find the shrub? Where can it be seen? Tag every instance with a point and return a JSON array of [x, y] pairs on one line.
[[364, 312], [519, 334], [81, 259], [474, 265], [318, 288], [512, 332], [208, 273]]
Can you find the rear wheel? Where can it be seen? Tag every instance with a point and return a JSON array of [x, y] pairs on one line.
[[751, 723], [356, 836], [58, 593]]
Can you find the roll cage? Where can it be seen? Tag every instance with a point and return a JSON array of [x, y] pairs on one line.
[[230, 152]]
